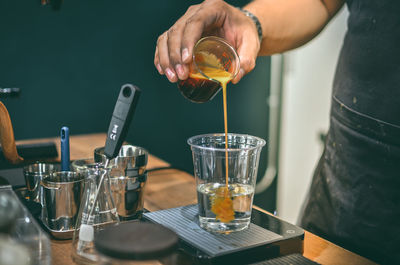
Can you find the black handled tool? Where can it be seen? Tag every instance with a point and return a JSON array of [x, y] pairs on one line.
[[121, 119], [119, 125]]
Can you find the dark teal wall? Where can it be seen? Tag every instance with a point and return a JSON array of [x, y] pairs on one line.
[[71, 63]]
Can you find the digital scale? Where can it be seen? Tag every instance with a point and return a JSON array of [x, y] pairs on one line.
[[266, 238]]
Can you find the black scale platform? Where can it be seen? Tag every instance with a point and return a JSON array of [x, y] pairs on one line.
[[267, 237]]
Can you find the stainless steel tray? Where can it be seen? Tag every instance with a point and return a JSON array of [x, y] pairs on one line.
[[57, 234]]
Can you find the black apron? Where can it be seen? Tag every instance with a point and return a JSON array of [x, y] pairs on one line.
[[354, 199]]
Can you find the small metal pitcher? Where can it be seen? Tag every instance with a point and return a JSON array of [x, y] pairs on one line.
[[34, 173], [62, 197]]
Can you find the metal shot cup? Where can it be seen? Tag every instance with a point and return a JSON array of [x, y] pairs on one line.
[[127, 179], [128, 194], [34, 173], [214, 200], [131, 160], [62, 196]]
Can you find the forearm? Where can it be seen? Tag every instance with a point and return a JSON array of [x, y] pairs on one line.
[[288, 24]]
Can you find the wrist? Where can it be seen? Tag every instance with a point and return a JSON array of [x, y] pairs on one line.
[[255, 20]]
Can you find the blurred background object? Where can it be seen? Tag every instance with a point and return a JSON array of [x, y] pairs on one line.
[[9, 92], [307, 78], [22, 241]]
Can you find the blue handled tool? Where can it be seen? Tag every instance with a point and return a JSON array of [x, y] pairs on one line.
[[64, 149]]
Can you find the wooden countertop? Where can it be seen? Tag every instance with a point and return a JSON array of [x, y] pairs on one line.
[[173, 188]]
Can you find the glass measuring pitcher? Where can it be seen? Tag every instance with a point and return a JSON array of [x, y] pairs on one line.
[[94, 214], [210, 56]]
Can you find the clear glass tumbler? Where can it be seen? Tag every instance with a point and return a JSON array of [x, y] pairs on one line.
[[215, 196]]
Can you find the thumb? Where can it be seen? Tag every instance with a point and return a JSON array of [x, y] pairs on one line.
[[247, 50]]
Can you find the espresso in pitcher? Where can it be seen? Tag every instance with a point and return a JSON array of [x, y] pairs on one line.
[[198, 90], [204, 80]]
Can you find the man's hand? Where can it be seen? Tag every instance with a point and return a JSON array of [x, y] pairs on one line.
[[212, 17]]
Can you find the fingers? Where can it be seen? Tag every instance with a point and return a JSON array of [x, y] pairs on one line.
[[247, 51], [209, 16], [157, 63], [175, 47], [169, 53], [163, 58], [239, 76], [174, 51], [191, 34]]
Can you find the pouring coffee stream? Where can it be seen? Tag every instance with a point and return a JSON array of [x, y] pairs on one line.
[[210, 66]]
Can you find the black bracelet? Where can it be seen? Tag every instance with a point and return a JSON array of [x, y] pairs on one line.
[[255, 20]]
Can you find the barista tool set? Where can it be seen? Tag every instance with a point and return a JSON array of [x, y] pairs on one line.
[[266, 238]]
